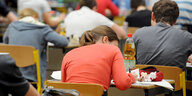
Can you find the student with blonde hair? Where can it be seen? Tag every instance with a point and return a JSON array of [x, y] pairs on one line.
[[29, 31], [28, 12], [98, 60]]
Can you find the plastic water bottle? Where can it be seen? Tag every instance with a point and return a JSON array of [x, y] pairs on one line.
[[129, 53], [62, 29]]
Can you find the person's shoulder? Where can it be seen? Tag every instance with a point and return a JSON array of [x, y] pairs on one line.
[[42, 1], [97, 14], [15, 22], [144, 29], [100, 46], [107, 47], [145, 12], [6, 60], [72, 14], [185, 33], [133, 16], [148, 11], [129, 17]]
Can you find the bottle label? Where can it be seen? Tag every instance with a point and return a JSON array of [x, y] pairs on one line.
[[129, 64]]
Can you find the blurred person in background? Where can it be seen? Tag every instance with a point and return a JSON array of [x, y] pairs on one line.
[[140, 16], [11, 3], [185, 15], [12, 83], [87, 18], [43, 9], [119, 3], [106, 8], [28, 30], [5, 12], [103, 5]]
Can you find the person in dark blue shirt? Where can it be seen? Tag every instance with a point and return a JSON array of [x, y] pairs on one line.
[[11, 80], [5, 12]]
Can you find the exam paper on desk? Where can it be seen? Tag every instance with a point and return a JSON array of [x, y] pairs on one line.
[[188, 64], [57, 75], [162, 83]]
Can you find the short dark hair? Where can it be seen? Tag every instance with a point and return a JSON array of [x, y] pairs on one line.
[[166, 11], [136, 3], [88, 3]]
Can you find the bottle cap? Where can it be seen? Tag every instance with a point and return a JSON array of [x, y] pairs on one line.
[[52, 12], [129, 35]]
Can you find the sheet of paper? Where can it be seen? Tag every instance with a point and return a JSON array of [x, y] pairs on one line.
[[162, 83], [4, 53], [189, 65], [56, 75], [50, 44]]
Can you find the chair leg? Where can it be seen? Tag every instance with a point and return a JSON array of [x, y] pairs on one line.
[[184, 84]]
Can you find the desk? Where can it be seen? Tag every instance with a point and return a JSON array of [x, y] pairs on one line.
[[70, 46], [152, 90], [189, 71], [55, 56], [189, 76]]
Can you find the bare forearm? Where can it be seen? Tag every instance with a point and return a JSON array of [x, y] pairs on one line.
[[53, 23], [11, 16], [32, 91]]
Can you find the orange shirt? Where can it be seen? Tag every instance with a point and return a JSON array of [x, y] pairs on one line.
[[96, 63]]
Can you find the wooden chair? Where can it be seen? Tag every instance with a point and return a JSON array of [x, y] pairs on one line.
[[24, 56], [189, 85], [171, 72], [85, 89], [189, 77], [132, 29]]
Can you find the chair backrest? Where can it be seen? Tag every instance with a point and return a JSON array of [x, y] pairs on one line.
[[132, 29], [24, 56], [171, 72], [85, 89]]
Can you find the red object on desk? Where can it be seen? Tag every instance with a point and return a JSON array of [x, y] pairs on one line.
[[148, 70]]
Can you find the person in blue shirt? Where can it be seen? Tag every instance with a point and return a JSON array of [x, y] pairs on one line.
[[127, 3], [185, 16]]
